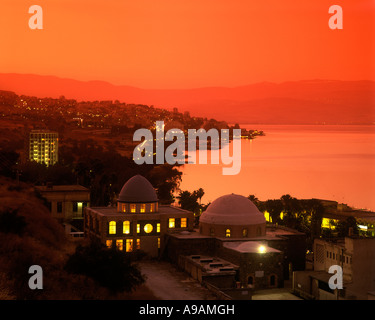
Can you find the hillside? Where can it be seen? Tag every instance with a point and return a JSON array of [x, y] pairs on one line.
[[302, 102], [29, 236]]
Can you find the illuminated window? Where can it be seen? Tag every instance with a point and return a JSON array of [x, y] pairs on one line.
[[171, 222], [123, 207], [183, 222], [138, 244], [158, 243], [133, 207], [244, 233], [126, 227], [109, 243], [152, 207], [129, 245], [227, 233], [158, 227], [112, 227], [148, 228], [143, 207], [138, 228], [120, 244]]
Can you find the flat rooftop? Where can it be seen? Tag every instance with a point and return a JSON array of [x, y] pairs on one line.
[[250, 247], [112, 211], [62, 188]]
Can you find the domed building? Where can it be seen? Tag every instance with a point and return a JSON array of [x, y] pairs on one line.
[[235, 248], [137, 222], [232, 216]]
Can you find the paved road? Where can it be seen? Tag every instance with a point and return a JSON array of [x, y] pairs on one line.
[[168, 283]]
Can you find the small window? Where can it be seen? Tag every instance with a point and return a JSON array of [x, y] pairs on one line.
[[152, 207], [123, 207], [143, 207], [126, 227], [244, 233], [158, 243], [133, 207], [148, 228], [158, 228], [120, 245], [109, 243], [212, 232], [112, 227], [183, 222], [138, 244], [171, 222], [227, 233], [272, 280], [59, 207], [138, 228], [129, 245]]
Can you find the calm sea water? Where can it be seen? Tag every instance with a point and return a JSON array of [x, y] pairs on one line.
[[325, 162]]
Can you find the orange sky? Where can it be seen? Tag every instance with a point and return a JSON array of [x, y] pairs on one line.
[[189, 43]]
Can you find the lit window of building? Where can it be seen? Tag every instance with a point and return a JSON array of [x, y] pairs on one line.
[[43, 147], [158, 243], [109, 243], [120, 244], [171, 223], [112, 227], [158, 227], [143, 207], [227, 233], [129, 245], [244, 233], [148, 228], [138, 244], [133, 207], [183, 222], [126, 227], [152, 207], [138, 228], [123, 207]]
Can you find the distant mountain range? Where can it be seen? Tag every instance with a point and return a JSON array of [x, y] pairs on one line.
[[294, 102]]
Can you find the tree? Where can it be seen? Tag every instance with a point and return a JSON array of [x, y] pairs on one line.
[[199, 193], [274, 207], [344, 226]]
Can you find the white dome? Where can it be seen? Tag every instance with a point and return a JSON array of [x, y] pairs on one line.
[[232, 209], [137, 189]]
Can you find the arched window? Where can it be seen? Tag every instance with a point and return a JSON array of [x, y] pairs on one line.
[[126, 227], [227, 233], [112, 227]]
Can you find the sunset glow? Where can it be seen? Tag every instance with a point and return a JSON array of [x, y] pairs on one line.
[[186, 44]]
